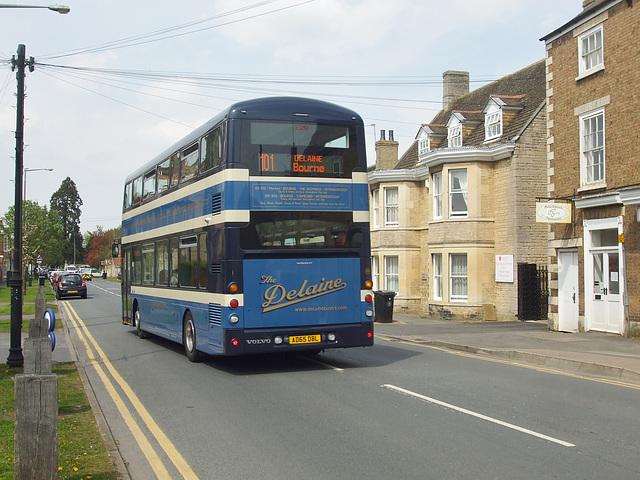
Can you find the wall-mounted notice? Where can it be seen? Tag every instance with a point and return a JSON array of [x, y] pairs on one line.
[[504, 268]]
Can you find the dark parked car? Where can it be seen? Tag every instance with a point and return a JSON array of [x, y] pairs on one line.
[[70, 284]]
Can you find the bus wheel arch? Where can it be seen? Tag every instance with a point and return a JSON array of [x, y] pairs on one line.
[[137, 319], [189, 337]]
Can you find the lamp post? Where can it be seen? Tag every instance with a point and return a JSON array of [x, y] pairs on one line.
[[56, 8], [24, 186]]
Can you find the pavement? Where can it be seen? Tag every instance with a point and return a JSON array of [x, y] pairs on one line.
[[592, 353]]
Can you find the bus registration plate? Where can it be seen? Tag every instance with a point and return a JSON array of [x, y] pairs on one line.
[[298, 339]]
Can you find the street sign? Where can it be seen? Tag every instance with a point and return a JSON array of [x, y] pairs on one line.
[[39, 259]]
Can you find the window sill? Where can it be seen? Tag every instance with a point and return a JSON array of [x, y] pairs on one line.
[[592, 186], [590, 72]]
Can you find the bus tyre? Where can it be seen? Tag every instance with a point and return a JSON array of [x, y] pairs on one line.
[[189, 338], [141, 333]]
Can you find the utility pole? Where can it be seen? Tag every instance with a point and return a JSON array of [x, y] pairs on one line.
[[16, 358]]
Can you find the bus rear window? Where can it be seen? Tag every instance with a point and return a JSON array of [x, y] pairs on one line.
[[285, 230], [298, 149]]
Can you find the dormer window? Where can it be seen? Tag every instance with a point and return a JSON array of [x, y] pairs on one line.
[[423, 146], [493, 118], [454, 136], [454, 130], [424, 142], [493, 124]]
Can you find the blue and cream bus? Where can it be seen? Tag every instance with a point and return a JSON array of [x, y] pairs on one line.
[[251, 234]]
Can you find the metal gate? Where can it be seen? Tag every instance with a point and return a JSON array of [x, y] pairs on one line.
[[533, 291]]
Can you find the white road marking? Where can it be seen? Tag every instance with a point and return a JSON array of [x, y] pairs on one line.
[[477, 415]]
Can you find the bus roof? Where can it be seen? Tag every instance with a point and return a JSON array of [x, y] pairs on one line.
[[273, 108]]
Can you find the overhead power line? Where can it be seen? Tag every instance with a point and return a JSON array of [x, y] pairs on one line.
[[170, 32], [236, 83]]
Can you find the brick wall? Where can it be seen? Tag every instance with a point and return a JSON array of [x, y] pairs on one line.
[[616, 87]]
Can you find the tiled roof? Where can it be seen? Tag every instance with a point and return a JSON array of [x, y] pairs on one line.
[[523, 90]]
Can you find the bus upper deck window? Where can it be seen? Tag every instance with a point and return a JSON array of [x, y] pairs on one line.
[[128, 199], [164, 175], [149, 184], [175, 170], [137, 190], [212, 149], [189, 163]]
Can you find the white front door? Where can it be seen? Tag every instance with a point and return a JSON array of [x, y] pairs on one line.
[[607, 305], [603, 275], [568, 291]]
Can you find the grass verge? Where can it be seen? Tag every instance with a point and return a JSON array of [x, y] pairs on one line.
[[82, 453]]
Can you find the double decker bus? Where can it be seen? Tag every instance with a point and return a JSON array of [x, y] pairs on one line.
[[251, 234]]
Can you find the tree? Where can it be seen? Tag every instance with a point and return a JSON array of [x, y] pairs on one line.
[[66, 202], [41, 233], [99, 245]]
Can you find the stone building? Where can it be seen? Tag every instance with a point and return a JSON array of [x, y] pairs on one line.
[[593, 73], [455, 215]]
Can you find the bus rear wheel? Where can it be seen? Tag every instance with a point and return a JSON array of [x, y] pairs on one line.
[[189, 338], [137, 318]]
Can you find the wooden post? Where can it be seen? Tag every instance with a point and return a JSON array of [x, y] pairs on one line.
[[36, 437], [36, 404]]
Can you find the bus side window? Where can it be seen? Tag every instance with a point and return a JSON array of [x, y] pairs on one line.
[[148, 264], [127, 195], [175, 170], [173, 248], [164, 175], [149, 184], [189, 163], [162, 262], [189, 261], [212, 146], [136, 261], [137, 190]]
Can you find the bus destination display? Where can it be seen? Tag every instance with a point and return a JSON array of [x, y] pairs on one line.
[[300, 196]]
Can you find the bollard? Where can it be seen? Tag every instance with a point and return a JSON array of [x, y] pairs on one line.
[[36, 403]]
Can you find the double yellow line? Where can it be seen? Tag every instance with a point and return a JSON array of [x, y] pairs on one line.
[[100, 364]]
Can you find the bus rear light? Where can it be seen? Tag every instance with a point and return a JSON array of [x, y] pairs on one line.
[[235, 342], [369, 334], [368, 312], [278, 340], [368, 284], [368, 298], [234, 303], [233, 319], [331, 337], [233, 288]]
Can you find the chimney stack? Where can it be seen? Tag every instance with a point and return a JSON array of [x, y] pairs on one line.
[[386, 152], [454, 85]]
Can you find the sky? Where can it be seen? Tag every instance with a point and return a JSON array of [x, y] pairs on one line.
[[117, 82]]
